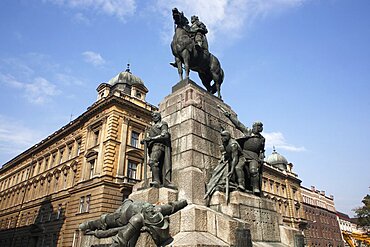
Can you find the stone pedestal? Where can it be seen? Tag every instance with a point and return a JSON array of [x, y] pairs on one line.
[[194, 121], [155, 195], [259, 213]]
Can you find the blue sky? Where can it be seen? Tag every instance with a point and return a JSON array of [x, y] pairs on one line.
[[299, 66]]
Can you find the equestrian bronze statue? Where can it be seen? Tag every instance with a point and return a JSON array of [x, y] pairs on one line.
[[190, 48]]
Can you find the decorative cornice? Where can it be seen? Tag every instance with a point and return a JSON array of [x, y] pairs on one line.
[[75, 124]]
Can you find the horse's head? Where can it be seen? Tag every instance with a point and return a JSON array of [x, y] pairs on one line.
[[179, 18]]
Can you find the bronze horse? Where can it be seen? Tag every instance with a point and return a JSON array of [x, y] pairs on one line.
[[185, 52]]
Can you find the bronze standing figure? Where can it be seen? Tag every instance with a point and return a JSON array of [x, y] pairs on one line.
[[158, 143], [253, 145], [223, 177]]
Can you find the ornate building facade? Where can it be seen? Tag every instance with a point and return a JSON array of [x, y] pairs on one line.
[[323, 227], [282, 185], [79, 171]]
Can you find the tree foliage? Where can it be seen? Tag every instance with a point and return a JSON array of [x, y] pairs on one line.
[[363, 213]]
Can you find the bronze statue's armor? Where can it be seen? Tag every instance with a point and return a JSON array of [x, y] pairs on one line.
[[200, 31], [253, 151], [253, 146], [159, 151], [239, 167]]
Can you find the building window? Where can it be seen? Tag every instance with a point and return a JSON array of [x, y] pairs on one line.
[[59, 211], [46, 164], [28, 218], [131, 169], [135, 139], [61, 156], [85, 204], [41, 215], [96, 137], [78, 149], [87, 207], [56, 184], [76, 239], [64, 181], [69, 150], [38, 165], [91, 168], [82, 204], [50, 213], [54, 240], [138, 94], [53, 159], [48, 187]]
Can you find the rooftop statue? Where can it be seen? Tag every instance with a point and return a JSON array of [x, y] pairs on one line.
[[132, 218], [190, 48]]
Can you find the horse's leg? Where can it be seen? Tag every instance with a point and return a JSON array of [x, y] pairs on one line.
[[179, 67], [186, 58], [206, 80], [217, 76], [218, 87]]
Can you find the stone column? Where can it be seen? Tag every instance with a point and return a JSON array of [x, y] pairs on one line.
[[122, 147]]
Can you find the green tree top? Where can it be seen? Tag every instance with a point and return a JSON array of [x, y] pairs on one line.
[[363, 213]]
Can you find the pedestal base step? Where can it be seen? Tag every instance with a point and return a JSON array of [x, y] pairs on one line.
[[195, 239]]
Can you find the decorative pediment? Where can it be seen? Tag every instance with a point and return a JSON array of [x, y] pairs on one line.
[[73, 165], [34, 182], [135, 153], [42, 179], [65, 168], [56, 173], [91, 153]]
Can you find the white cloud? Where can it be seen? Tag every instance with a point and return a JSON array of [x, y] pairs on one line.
[[81, 18], [94, 58], [15, 137], [224, 17], [117, 8], [38, 91], [68, 79], [277, 140], [36, 77]]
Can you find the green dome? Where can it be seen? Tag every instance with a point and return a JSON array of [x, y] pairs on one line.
[[277, 160], [126, 77]]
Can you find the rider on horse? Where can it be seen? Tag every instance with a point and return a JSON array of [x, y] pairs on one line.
[[200, 31], [190, 49], [197, 31]]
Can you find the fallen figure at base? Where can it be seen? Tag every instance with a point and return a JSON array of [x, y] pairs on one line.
[[132, 218]]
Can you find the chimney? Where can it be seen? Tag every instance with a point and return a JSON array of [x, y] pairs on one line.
[[322, 192], [313, 188], [332, 197]]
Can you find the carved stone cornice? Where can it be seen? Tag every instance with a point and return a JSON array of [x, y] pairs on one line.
[[76, 124]]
